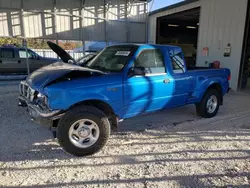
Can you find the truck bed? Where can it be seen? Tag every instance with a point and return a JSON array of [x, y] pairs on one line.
[[207, 70], [198, 68]]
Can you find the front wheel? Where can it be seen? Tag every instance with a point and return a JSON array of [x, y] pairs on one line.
[[83, 131], [209, 105]]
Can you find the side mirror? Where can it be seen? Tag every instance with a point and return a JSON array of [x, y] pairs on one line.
[[32, 57], [136, 71]]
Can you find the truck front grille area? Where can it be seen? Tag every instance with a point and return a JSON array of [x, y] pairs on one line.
[[26, 91]]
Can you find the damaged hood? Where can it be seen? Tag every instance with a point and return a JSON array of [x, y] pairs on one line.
[[65, 57], [45, 75]]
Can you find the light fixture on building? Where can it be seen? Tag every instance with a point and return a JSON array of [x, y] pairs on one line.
[[191, 27], [173, 25]]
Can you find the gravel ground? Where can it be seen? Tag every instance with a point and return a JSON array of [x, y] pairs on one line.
[[172, 148]]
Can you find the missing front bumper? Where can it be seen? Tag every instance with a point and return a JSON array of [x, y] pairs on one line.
[[39, 116]]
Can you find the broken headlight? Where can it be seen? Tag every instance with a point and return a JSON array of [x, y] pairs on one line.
[[42, 100]]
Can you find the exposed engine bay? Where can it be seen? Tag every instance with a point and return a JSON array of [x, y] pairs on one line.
[[75, 74]]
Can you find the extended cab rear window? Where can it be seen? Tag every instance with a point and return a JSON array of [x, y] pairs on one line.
[[177, 61], [7, 53]]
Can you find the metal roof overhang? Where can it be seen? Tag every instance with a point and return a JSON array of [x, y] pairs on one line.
[[173, 6]]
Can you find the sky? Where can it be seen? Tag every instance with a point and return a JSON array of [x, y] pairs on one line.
[[162, 3]]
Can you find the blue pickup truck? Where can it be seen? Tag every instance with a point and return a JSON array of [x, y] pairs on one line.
[[82, 104]]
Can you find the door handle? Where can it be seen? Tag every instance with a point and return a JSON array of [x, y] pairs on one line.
[[166, 81]]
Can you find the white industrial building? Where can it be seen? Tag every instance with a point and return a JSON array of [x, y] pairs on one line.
[[85, 20], [216, 30]]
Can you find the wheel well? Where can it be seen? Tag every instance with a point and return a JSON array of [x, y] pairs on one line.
[[217, 87], [105, 108]]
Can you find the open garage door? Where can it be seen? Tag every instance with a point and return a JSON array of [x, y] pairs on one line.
[[244, 76], [180, 29]]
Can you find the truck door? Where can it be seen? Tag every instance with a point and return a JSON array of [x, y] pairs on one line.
[[34, 62], [9, 63], [152, 91]]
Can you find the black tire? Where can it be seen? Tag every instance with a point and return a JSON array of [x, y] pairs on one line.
[[201, 108], [75, 114]]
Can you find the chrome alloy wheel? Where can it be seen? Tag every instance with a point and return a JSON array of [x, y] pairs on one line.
[[84, 133], [212, 103]]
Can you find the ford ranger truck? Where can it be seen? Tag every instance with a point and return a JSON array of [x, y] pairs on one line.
[[82, 104], [13, 60]]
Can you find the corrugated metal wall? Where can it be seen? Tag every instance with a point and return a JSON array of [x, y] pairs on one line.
[[222, 22], [123, 20]]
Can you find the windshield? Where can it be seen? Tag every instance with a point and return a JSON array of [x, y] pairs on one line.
[[85, 59], [113, 58]]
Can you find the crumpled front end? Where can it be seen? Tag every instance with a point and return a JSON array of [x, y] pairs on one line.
[[37, 105]]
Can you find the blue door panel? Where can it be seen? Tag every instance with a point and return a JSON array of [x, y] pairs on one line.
[[148, 93]]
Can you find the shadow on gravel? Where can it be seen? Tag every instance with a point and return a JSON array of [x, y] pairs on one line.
[[176, 142], [152, 120], [135, 159], [185, 181], [51, 150], [172, 134]]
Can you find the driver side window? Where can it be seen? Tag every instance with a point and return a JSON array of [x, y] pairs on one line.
[[152, 61], [31, 55]]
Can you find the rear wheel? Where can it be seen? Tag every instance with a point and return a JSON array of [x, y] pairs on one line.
[[209, 105], [83, 131]]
